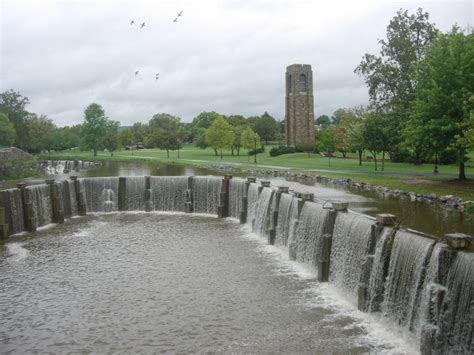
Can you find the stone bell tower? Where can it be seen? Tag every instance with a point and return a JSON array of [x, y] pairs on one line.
[[299, 109]]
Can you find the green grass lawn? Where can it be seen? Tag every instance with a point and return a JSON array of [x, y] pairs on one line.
[[404, 176]]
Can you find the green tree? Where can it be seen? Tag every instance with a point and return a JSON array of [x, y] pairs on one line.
[[126, 138], [110, 141], [13, 105], [200, 138], [7, 131], [392, 76], [337, 116], [356, 139], [249, 140], [442, 111], [375, 133], [95, 127], [165, 121], [69, 137], [323, 120], [266, 127], [42, 133], [139, 130], [163, 139], [220, 134], [236, 120], [204, 120], [327, 143]]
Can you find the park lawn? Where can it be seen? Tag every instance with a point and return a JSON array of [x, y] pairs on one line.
[[403, 176]]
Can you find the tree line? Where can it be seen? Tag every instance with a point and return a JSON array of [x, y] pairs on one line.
[[36, 133], [421, 105]]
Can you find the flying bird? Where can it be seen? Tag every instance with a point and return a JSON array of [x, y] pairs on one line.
[[136, 73], [132, 22], [175, 20], [142, 25], [157, 76], [180, 14]]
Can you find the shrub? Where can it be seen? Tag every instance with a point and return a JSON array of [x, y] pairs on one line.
[[282, 149], [257, 151]]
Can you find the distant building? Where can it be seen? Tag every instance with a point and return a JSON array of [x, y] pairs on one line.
[[299, 107]]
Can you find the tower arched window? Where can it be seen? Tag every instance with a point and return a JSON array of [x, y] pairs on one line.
[[302, 83]]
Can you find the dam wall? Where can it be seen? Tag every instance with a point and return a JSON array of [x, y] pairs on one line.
[[421, 284]]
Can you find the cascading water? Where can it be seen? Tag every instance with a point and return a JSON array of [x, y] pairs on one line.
[[446, 308], [41, 203], [206, 194], [309, 233], [287, 218], [65, 195], [457, 321], [252, 199], [236, 192], [169, 193], [409, 257], [350, 243], [135, 193], [379, 270], [14, 208], [101, 194], [73, 198], [262, 211]]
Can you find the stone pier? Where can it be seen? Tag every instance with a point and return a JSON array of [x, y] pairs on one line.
[[383, 220], [80, 196], [28, 213], [223, 208], [122, 194], [3, 224], [325, 261], [148, 195], [56, 201], [274, 217]]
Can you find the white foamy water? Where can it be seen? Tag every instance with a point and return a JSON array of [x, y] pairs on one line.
[[157, 282]]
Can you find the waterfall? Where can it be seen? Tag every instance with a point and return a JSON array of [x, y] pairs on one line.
[[236, 192], [13, 210], [101, 194], [350, 243], [73, 198], [252, 198], [135, 193], [206, 194], [262, 211], [41, 203], [457, 322], [169, 192], [410, 254], [379, 270], [309, 233], [287, 218], [65, 195]]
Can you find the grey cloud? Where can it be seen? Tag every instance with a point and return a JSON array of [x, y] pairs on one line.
[[224, 56]]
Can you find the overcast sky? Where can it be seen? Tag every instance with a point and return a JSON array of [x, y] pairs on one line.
[[225, 56]]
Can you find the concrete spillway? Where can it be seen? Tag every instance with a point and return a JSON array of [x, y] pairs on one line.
[[412, 280]]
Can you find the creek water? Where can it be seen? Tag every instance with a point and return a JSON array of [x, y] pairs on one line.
[[138, 283]]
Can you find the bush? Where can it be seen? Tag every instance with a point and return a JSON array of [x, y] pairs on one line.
[[257, 151], [282, 149]]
